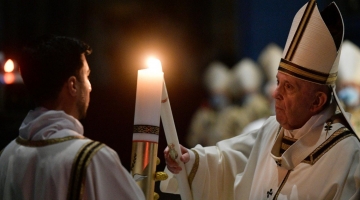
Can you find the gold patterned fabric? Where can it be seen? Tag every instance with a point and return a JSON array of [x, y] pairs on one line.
[[146, 129], [78, 172], [335, 138], [307, 74], [41, 143], [286, 143], [194, 168]]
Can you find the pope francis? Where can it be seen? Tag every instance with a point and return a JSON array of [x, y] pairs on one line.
[[308, 150]]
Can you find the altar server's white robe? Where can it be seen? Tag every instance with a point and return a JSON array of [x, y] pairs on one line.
[[244, 167], [31, 168]]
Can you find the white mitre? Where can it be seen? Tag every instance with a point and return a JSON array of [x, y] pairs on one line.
[[349, 64], [216, 77], [269, 59], [246, 77]]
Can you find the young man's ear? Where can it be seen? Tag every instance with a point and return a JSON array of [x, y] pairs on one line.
[[72, 85], [319, 102]]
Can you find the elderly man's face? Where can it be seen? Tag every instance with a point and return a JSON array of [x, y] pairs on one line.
[[292, 101]]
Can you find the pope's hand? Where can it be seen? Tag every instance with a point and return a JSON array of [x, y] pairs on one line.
[[171, 164]]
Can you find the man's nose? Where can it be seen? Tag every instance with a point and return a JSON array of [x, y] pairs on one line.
[[276, 93]]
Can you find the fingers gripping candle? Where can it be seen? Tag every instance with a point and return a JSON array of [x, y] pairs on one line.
[[146, 127]]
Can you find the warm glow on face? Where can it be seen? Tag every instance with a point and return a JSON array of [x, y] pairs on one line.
[[9, 66], [9, 78], [154, 64]]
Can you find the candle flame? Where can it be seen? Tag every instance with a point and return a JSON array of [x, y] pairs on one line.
[[154, 64], [9, 66]]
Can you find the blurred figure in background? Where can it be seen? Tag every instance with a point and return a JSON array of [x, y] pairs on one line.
[[249, 104], [269, 61], [235, 101], [216, 81], [349, 81]]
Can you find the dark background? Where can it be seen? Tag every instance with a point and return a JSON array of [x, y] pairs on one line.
[[185, 35]]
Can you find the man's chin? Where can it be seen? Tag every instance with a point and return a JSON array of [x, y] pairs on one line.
[[82, 113], [280, 119]]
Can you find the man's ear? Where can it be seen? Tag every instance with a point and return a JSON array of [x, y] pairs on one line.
[[319, 101], [72, 85]]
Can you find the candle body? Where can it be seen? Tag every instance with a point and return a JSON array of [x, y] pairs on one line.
[[148, 103], [173, 144], [146, 129]]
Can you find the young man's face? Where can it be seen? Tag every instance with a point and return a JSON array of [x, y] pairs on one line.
[[292, 101], [84, 89]]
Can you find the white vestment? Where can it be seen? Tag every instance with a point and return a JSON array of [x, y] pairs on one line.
[[41, 167], [249, 166]]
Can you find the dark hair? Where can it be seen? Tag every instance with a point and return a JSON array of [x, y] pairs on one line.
[[47, 62]]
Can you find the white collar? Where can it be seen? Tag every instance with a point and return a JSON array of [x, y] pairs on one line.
[[41, 124], [309, 137]]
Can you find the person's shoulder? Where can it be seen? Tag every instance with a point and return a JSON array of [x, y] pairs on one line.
[[268, 129], [270, 124], [271, 120], [8, 146], [346, 140], [106, 152]]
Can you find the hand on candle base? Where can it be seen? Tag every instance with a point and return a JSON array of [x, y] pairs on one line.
[[171, 164]]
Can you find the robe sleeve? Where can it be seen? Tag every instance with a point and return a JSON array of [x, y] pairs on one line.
[[106, 178], [351, 189], [217, 167]]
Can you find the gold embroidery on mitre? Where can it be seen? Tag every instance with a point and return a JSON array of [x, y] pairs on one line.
[[300, 30], [306, 74]]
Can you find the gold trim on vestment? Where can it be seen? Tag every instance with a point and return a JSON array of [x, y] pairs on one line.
[[330, 141], [194, 168], [78, 170], [324, 147], [328, 144], [40, 143], [289, 138], [287, 142], [284, 146], [282, 184]]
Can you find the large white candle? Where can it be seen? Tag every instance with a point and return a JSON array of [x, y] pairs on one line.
[[146, 128], [148, 102]]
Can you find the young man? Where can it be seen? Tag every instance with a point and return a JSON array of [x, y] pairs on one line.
[[308, 150], [51, 158]]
